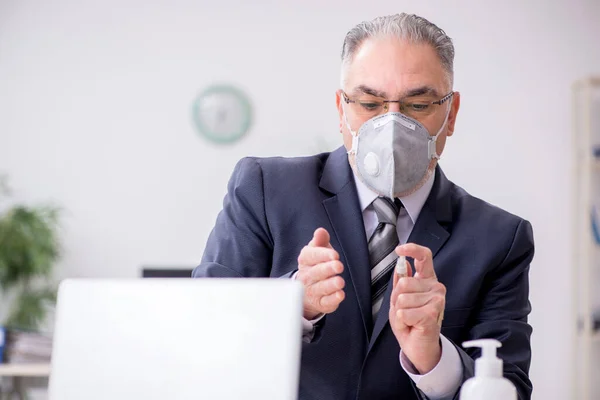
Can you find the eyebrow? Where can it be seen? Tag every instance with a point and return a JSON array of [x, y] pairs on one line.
[[371, 91], [419, 91]]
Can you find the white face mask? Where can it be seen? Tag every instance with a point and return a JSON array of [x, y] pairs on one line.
[[392, 153]]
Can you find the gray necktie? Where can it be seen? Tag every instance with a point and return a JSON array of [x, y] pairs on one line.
[[381, 249]]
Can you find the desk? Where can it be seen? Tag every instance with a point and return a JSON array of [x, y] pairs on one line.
[[17, 372]]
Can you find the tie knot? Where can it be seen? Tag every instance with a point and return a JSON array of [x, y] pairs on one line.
[[387, 210]]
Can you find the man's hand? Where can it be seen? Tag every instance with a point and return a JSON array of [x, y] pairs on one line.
[[416, 309], [318, 269]]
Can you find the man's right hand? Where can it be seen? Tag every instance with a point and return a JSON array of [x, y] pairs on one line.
[[319, 267]]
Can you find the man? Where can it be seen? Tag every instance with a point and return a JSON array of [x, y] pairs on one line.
[[338, 221]]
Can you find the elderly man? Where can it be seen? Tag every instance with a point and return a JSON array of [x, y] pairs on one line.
[[338, 221]]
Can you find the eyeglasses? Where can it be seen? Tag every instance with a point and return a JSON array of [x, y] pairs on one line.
[[369, 106]]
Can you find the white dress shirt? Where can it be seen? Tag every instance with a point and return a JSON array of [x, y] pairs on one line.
[[443, 380]]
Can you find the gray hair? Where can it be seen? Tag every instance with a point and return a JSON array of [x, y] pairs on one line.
[[403, 26]]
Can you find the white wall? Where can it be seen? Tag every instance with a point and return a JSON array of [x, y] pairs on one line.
[[95, 104]]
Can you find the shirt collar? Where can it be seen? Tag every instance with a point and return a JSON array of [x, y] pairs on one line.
[[413, 203]]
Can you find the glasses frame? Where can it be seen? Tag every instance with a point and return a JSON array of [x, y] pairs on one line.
[[386, 103]]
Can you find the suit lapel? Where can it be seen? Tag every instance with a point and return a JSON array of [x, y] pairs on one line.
[[345, 215], [343, 210], [429, 232]]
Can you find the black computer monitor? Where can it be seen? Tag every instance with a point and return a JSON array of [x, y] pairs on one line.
[[164, 272]]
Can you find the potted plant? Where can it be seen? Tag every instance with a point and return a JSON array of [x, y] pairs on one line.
[[29, 247]]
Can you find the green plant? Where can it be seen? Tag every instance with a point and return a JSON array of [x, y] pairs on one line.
[[29, 247]]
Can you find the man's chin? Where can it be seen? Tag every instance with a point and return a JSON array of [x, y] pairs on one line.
[[430, 171]]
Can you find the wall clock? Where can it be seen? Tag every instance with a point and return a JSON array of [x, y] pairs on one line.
[[222, 113]]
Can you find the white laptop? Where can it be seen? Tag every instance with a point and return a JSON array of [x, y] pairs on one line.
[[177, 339]]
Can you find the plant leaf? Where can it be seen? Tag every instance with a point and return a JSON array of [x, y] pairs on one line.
[[29, 308], [28, 243]]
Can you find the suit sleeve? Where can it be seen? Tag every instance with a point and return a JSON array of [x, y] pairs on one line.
[[240, 244], [502, 315]]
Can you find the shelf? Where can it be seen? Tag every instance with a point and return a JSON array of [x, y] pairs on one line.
[[594, 337], [585, 231], [24, 369], [593, 164], [591, 81]]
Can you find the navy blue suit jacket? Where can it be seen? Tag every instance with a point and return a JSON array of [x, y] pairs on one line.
[[481, 254]]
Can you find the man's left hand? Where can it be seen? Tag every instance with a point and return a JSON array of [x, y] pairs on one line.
[[416, 309]]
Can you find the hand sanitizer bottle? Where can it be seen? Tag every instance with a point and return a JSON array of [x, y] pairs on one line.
[[488, 382]]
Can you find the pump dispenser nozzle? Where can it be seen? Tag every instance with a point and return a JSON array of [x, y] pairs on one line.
[[488, 364], [488, 382]]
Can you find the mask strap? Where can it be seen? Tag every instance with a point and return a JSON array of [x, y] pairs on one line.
[[431, 145], [354, 136]]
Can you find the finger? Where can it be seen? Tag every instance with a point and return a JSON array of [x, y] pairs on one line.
[[425, 316], [413, 285], [326, 287], [413, 300], [330, 303], [322, 271], [322, 294], [423, 259], [398, 325], [320, 238], [310, 256]]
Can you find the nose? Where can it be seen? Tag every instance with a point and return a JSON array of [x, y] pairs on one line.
[[393, 106]]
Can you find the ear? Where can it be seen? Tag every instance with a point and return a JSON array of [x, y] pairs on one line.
[[453, 113], [338, 104]]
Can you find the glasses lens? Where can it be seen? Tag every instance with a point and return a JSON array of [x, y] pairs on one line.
[[418, 109], [367, 106]]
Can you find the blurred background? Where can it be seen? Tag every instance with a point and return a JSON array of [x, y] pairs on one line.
[[96, 117]]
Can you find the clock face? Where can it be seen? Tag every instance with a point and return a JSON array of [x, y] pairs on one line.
[[222, 113]]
